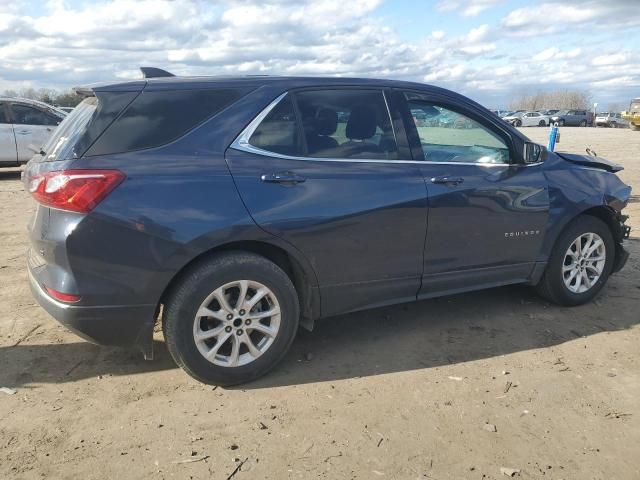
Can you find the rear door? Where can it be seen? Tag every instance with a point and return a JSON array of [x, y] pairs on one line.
[[31, 126], [322, 169], [7, 138], [487, 212]]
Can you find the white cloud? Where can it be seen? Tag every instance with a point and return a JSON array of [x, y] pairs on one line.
[[467, 8], [612, 59]]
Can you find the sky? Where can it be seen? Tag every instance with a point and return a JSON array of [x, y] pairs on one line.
[[490, 50]]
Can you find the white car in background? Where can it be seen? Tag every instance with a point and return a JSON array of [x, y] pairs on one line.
[[610, 119], [527, 119], [24, 123]]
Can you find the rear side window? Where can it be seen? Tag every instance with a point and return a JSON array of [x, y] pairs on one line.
[[27, 115], [158, 117], [278, 132], [347, 124]]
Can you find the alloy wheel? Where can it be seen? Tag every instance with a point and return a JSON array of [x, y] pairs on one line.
[[584, 262], [237, 323]]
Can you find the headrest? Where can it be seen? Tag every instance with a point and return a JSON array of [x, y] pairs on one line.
[[362, 123], [326, 121]]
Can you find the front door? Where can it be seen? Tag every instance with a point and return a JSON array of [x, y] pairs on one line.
[[321, 171], [31, 126], [7, 139], [487, 212]]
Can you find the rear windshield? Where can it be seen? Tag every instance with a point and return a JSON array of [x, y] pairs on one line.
[[84, 124], [61, 143]]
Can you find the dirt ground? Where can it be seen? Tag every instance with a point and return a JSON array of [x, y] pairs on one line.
[[403, 392]]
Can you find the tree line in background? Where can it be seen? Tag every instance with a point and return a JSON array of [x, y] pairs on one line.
[[47, 95], [561, 99]]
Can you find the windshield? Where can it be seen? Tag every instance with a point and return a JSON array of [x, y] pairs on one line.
[[61, 144]]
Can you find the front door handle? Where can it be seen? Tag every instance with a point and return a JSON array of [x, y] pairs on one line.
[[23, 132], [447, 180], [287, 178]]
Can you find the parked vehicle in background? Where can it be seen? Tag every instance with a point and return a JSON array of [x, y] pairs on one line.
[[573, 118], [527, 119], [534, 119], [66, 109], [236, 209], [633, 114], [500, 113], [514, 118], [610, 119], [24, 123], [549, 113]]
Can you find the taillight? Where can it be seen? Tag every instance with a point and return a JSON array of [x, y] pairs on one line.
[[74, 190], [63, 297]]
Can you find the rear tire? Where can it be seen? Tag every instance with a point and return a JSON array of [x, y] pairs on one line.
[[613, 125], [554, 285], [518, 123], [246, 345], [583, 123], [542, 124], [561, 123]]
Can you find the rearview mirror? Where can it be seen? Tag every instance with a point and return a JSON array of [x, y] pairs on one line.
[[534, 153]]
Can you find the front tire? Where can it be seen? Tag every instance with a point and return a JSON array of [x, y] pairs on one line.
[[583, 123], [613, 125], [231, 318], [580, 264], [542, 123], [518, 123], [561, 123]]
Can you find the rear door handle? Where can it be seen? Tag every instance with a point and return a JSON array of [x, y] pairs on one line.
[[23, 132], [447, 180], [289, 178]]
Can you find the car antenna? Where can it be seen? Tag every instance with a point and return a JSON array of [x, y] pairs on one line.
[[153, 72]]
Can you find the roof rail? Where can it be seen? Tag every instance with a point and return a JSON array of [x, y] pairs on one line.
[[153, 72]]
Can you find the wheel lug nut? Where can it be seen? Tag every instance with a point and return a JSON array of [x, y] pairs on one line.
[[247, 322], [239, 331], [242, 312], [229, 317], [227, 329]]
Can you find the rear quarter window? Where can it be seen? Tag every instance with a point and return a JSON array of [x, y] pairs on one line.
[[156, 118]]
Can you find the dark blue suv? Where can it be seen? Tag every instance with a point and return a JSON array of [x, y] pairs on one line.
[[235, 210]]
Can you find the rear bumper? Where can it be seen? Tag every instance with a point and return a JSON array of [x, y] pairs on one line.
[[126, 325]]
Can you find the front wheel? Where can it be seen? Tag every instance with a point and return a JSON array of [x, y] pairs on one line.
[[561, 123], [583, 123], [613, 125], [580, 264], [542, 124], [231, 318], [518, 123]]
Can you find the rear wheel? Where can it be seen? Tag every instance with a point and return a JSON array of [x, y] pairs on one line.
[[541, 123], [231, 318], [583, 123], [518, 123], [561, 123], [613, 125], [580, 263]]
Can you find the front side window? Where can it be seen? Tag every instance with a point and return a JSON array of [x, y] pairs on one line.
[[346, 124], [449, 136], [26, 115]]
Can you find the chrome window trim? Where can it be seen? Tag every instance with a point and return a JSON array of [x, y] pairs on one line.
[[242, 144]]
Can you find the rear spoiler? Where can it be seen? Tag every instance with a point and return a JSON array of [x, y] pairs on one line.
[[130, 86]]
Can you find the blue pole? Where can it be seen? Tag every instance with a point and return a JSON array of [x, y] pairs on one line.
[[553, 135]]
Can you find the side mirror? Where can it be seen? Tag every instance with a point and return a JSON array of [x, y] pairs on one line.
[[534, 153]]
